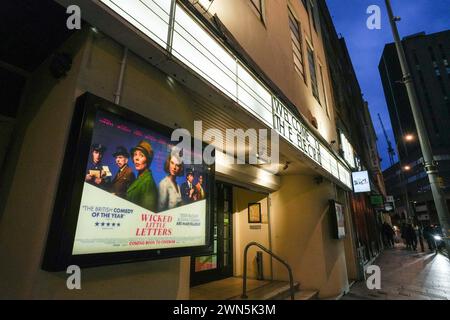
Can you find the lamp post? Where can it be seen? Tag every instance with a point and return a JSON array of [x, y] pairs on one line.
[[413, 216], [403, 181], [430, 165]]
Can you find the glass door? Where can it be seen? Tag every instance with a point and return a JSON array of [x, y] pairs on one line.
[[219, 264]]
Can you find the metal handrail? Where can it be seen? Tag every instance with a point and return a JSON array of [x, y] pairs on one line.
[[244, 284]]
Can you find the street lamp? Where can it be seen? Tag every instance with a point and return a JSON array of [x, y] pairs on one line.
[[404, 168], [430, 165], [409, 137]]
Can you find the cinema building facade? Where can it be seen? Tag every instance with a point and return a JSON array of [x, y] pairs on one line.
[[174, 63]]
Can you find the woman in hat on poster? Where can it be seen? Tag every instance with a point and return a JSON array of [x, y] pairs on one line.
[[143, 190], [169, 190]]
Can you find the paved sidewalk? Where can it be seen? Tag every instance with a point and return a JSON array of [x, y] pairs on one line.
[[407, 275]]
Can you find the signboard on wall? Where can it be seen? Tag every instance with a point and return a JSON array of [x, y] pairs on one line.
[[376, 200], [126, 193], [390, 203], [361, 182], [337, 218], [388, 206]]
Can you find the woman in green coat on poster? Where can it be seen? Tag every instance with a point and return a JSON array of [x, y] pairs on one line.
[[143, 191]]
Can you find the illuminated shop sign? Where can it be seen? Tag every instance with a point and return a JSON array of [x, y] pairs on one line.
[[126, 192], [376, 200], [361, 182]]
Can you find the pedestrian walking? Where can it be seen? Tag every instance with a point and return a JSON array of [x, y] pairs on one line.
[[411, 234], [388, 234], [405, 235], [428, 235]]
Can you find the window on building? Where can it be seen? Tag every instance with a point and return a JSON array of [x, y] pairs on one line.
[[258, 7], [422, 80], [441, 49], [416, 60], [297, 47], [324, 92], [312, 71], [433, 57], [313, 15], [433, 120], [441, 84]]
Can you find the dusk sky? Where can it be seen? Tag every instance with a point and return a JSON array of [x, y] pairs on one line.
[[366, 46]]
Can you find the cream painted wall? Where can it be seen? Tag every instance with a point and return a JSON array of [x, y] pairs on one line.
[[27, 214], [350, 238], [243, 234], [301, 234], [269, 44]]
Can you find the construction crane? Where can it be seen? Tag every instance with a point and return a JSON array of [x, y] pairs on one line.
[[389, 149]]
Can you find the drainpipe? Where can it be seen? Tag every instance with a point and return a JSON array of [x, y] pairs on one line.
[[123, 64]]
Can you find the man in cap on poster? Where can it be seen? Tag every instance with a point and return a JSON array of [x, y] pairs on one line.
[[188, 192], [125, 176], [95, 173]]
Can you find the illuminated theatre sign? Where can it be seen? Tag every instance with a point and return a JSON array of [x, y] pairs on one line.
[[289, 127]]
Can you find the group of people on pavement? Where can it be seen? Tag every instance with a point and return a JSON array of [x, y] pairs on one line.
[[410, 234]]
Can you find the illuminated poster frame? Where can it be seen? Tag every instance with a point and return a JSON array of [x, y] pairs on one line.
[[337, 217], [63, 228]]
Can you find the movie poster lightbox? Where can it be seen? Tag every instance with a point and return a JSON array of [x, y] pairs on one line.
[[126, 193]]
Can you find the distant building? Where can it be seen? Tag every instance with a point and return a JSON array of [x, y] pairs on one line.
[[428, 59]]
